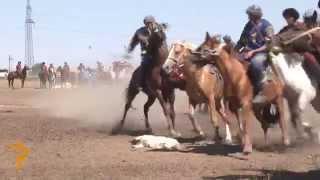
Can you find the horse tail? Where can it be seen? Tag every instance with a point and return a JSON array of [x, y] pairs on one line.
[[271, 113]]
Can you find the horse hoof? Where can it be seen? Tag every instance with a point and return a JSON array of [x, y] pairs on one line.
[[247, 149], [176, 134], [218, 139], [116, 130], [286, 142], [228, 142], [149, 131]]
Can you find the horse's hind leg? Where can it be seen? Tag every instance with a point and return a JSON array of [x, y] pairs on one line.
[[147, 105], [131, 94]]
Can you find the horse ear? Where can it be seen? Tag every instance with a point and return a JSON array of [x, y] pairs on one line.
[[165, 26], [207, 37]]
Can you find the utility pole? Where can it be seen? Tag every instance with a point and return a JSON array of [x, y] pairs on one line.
[[29, 58]]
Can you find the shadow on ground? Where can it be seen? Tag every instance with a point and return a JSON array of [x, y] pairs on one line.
[[271, 175]]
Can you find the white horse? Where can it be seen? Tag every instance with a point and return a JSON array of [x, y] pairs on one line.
[[299, 89]]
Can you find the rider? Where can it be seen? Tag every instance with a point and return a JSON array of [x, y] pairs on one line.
[[311, 18], [44, 67], [291, 16], [19, 68], [51, 69], [66, 71], [81, 68], [141, 37], [311, 63], [100, 66], [254, 37]]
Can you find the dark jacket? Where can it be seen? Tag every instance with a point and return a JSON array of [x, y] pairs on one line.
[[141, 36]]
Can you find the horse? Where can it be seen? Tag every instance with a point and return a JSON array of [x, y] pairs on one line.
[[156, 83], [65, 76], [204, 85], [51, 78], [118, 67], [44, 77], [238, 91], [285, 52], [15, 75]]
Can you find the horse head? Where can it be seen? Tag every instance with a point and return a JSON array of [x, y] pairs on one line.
[[177, 53], [211, 49], [157, 46]]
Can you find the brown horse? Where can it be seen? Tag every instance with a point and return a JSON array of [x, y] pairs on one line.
[[43, 77], [204, 84], [157, 88], [239, 92], [15, 75]]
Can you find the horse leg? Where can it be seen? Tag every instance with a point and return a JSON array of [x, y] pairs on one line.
[[222, 111], [131, 94], [147, 105], [195, 124], [12, 84], [247, 116], [166, 111], [214, 119], [22, 83], [282, 121], [171, 98]]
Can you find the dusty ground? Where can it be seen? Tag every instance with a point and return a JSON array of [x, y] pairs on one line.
[[68, 134]]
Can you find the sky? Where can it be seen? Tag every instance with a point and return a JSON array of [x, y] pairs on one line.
[[65, 29]]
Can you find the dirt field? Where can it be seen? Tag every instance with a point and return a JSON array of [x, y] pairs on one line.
[[68, 134]]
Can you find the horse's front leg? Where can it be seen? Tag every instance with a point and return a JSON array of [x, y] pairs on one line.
[[166, 110], [194, 122]]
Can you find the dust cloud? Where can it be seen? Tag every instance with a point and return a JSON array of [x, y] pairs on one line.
[[98, 107]]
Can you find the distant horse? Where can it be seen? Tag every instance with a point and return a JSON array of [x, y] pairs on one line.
[[65, 76], [51, 78], [156, 86], [44, 77], [119, 66], [15, 75]]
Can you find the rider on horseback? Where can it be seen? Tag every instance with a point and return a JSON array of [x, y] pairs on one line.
[[311, 63], [253, 38], [19, 69], [142, 36], [100, 67], [44, 68]]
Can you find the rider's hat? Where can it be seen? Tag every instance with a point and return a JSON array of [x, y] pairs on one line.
[[291, 12], [254, 10], [149, 19]]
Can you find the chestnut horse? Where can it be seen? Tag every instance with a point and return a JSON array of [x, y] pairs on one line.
[[156, 86], [15, 75], [204, 84], [238, 90]]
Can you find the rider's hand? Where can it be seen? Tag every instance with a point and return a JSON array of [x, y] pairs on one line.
[[249, 54]]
